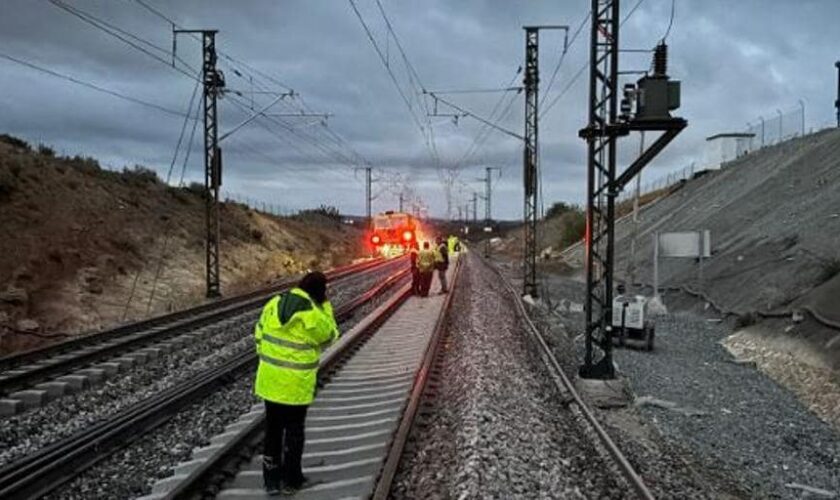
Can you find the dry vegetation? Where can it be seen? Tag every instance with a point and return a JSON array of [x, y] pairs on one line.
[[83, 247]]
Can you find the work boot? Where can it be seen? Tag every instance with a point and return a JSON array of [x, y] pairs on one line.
[[271, 476], [293, 487]]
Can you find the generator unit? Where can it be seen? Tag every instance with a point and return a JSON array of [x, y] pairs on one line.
[[630, 322]]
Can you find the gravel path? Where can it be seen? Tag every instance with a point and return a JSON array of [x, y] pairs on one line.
[[495, 428], [739, 431], [32, 430]]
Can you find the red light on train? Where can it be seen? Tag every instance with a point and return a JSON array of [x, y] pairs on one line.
[[375, 239], [407, 236]]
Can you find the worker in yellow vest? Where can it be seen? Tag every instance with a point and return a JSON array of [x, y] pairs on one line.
[[426, 260], [292, 331]]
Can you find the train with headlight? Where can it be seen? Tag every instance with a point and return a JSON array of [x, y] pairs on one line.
[[394, 233]]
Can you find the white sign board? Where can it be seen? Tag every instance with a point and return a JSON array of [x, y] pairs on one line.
[[688, 244], [488, 229]]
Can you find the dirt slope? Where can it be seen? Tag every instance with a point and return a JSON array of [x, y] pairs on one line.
[[774, 217], [81, 247]]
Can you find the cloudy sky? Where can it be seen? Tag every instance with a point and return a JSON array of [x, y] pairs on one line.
[[738, 60]]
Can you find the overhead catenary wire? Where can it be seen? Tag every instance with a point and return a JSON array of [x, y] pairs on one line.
[[566, 48], [583, 68], [93, 86], [427, 133], [130, 39]]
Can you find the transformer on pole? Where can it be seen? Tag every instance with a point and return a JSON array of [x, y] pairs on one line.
[[213, 82], [655, 97]]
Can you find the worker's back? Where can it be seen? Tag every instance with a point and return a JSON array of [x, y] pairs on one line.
[[426, 260]]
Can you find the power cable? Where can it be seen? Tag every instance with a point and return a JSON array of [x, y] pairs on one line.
[[125, 37], [670, 22], [563, 56], [92, 86], [585, 65]]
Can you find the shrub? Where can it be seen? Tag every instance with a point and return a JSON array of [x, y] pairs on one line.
[[329, 212], [14, 141], [85, 165], [558, 209], [140, 175], [256, 234], [196, 188], [45, 150]]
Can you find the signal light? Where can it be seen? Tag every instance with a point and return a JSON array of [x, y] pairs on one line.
[[375, 239], [407, 236]]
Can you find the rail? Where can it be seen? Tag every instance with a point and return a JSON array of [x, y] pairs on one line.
[[564, 384], [62, 358], [41, 472]]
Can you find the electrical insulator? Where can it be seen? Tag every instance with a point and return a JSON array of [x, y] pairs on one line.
[[660, 60]]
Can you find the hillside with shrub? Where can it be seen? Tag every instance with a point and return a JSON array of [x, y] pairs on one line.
[[85, 248]]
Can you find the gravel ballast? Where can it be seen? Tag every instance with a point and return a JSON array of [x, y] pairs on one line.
[[743, 433], [495, 426], [35, 429]]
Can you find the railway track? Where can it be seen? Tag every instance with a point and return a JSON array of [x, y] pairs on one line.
[[69, 366], [566, 387], [370, 389], [41, 472]]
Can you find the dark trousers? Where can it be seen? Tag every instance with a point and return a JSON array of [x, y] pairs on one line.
[[415, 281], [284, 427], [425, 283]]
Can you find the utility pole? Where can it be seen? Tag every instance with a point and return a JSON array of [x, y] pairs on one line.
[[604, 183], [368, 194], [488, 205], [837, 101], [401, 202], [213, 82], [530, 161], [532, 78], [475, 207]]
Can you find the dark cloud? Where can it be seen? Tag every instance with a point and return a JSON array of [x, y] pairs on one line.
[[737, 61]]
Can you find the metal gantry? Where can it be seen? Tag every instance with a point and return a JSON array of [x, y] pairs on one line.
[[530, 159], [600, 194], [213, 83], [604, 183]]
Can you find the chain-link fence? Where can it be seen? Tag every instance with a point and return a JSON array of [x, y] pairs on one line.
[[259, 205], [662, 182], [777, 127]]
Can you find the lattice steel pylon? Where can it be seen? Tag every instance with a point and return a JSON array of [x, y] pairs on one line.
[[600, 192], [212, 160], [530, 159], [604, 183]]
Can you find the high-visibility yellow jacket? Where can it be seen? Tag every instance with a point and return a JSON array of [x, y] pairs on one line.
[[451, 242], [290, 335], [426, 259]]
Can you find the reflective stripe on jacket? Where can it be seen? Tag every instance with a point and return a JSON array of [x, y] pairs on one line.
[[290, 335]]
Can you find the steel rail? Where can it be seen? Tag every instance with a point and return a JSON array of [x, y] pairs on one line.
[[43, 471], [205, 481], [10, 361], [564, 384], [61, 359], [395, 451]]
